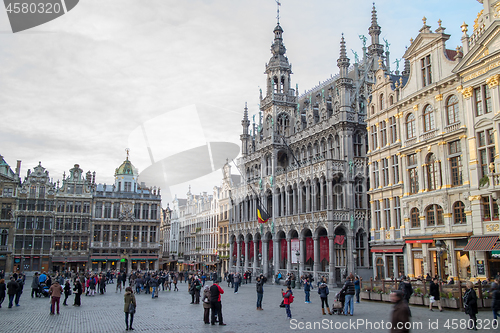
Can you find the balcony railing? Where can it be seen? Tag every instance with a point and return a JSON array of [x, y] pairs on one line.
[[452, 127]]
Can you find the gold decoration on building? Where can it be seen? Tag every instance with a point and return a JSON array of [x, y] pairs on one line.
[[415, 107], [388, 235], [476, 21], [492, 227], [493, 81], [464, 27], [429, 147], [463, 136], [497, 10], [459, 89], [418, 150], [439, 97], [467, 92], [474, 197]]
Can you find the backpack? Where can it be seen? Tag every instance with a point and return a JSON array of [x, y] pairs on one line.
[[290, 299]]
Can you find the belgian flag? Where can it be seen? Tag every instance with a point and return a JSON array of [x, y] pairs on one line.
[[261, 214]]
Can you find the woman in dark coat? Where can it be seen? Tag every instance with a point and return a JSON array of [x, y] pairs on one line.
[[3, 288], [323, 294], [434, 291], [206, 304], [129, 298], [67, 291], [470, 304], [78, 292]]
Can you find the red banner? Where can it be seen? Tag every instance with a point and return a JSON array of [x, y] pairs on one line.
[[283, 250], [270, 249], [324, 248], [250, 249], [309, 248]]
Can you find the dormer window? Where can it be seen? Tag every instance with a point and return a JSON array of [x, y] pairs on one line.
[[426, 70]]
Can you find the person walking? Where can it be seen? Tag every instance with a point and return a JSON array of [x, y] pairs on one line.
[[307, 290], [287, 300], [55, 292], [20, 283], [349, 290], [78, 289], [12, 287], [260, 291], [434, 295], [67, 291], [206, 304], [174, 279], [323, 294], [35, 285], [154, 286], [357, 287], [118, 283], [129, 308], [470, 304], [400, 313], [3, 288], [407, 289], [216, 304], [236, 282]]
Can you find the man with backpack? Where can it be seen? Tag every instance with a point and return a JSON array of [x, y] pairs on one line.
[[287, 300]]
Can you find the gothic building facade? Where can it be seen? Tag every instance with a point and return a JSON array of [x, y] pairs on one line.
[[305, 163]]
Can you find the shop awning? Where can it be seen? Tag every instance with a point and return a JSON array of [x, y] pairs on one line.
[[497, 245], [390, 249], [108, 258], [495, 254], [411, 241], [483, 243]]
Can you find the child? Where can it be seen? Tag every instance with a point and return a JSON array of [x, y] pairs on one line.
[[288, 299]]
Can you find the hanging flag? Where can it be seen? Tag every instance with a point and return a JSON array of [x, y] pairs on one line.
[[261, 214], [339, 239]]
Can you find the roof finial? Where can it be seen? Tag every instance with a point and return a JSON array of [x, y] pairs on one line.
[[278, 4], [127, 150]]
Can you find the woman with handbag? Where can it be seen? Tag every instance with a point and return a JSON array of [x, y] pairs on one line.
[[67, 291], [129, 308], [435, 295], [470, 304]]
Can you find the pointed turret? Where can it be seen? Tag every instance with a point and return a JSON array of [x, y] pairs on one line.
[[406, 70], [375, 48], [245, 137], [343, 61]]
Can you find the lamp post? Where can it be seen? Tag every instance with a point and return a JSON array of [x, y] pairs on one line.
[[440, 248], [242, 264], [297, 254], [355, 256], [260, 263]]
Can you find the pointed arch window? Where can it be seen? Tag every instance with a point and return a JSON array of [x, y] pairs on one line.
[[452, 110], [358, 145], [428, 118], [283, 124], [410, 126]]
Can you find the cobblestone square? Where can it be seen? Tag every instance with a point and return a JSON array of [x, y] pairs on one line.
[[171, 311]]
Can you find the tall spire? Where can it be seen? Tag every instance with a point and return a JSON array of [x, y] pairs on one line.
[[278, 4], [245, 137], [343, 61], [375, 48]]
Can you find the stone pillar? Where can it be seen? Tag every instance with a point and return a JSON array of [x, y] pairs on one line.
[[231, 251], [129, 265], [316, 257], [321, 196], [349, 256], [452, 259], [238, 254], [329, 189], [276, 254], [302, 257], [247, 256], [331, 277], [410, 271], [299, 199], [427, 259], [255, 257], [289, 254], [308, 198], [265, 256]]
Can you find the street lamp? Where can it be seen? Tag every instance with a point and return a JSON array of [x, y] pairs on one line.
[[297, 254], [355, 256], [260, 263], [242, 264], [440, 248]]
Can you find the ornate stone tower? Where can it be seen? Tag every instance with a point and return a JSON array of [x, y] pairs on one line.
[[375, 48]]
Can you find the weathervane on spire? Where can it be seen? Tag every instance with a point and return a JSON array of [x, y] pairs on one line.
[[278, 4], [127, 150]]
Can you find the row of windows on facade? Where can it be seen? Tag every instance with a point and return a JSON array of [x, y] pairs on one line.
[[109, 208], [124, 233], [46, 223], [381, 175], [482, 105], [321, 149], [434, 215], [387, 213], [59, 206]]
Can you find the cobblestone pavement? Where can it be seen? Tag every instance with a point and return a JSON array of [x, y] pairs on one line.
[[172, 312]]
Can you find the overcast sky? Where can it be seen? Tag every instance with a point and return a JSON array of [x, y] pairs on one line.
[[76, 89]]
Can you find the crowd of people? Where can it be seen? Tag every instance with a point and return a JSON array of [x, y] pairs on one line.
[[151, 282]]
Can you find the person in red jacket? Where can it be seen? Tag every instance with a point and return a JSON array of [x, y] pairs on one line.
[[215, 303], [287, 300]]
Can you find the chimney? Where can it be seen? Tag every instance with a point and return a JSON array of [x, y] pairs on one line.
[[18, 168]]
